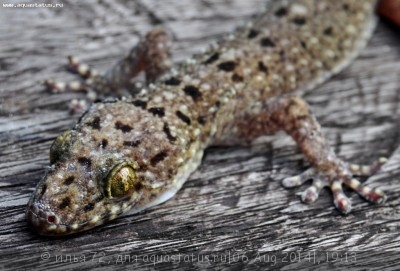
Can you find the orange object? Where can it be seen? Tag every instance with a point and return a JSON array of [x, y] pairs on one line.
[[390, 9]]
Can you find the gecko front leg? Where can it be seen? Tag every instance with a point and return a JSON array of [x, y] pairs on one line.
[[293, 115], [151, 55]]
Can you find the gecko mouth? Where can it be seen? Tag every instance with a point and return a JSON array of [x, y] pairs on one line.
[[46, 222]]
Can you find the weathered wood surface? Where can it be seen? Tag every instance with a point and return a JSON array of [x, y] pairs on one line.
[[234, 202]]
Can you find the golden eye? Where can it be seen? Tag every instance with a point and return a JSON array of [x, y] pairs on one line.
[[121, 181], [60, 146]]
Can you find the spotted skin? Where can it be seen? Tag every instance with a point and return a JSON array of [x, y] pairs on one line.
[[235, 91]]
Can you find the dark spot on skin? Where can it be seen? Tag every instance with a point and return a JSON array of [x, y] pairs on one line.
[[104, 143], [212, 59], [85, 162], [137, 186], [139, 103], [193, 92], [142, 167], [267, 42], [125, 128], [345, 6], [227, 66], [281, 12], [183, 117], [158, 158], [69, 180], [328, 31], [96, 123], [157, 111], [237, 78], [65, 202], [202, 120], [88, 207], [167, 131], [173, 81], [252, 34], [299, 21], [44, 188], [262, 67], [131, 143]]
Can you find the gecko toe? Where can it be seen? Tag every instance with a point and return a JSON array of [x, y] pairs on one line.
[[54, 87], [311, 194], [298, 180], [375, 195], [367, 170], [342, 203], [79, 68]]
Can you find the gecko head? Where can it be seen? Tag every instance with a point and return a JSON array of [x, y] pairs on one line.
[[79, 192]]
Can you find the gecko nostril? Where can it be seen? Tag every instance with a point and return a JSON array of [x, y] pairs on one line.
[[51, 219]]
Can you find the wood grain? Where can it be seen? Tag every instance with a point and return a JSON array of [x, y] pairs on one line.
[[234, 202]]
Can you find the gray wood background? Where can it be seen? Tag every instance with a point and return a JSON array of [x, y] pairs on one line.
[[234, 203]]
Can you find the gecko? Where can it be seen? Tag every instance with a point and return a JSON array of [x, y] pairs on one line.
[[130, 153]]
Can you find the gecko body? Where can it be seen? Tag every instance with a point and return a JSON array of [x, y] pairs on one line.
[[129, 154]]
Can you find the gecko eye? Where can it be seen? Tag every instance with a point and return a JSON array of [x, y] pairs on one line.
[[60, 146], [121, 181]]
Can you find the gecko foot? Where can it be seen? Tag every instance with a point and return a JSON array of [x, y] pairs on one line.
[[151, 55], [82, 70], [335, 183], [88, 75]]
